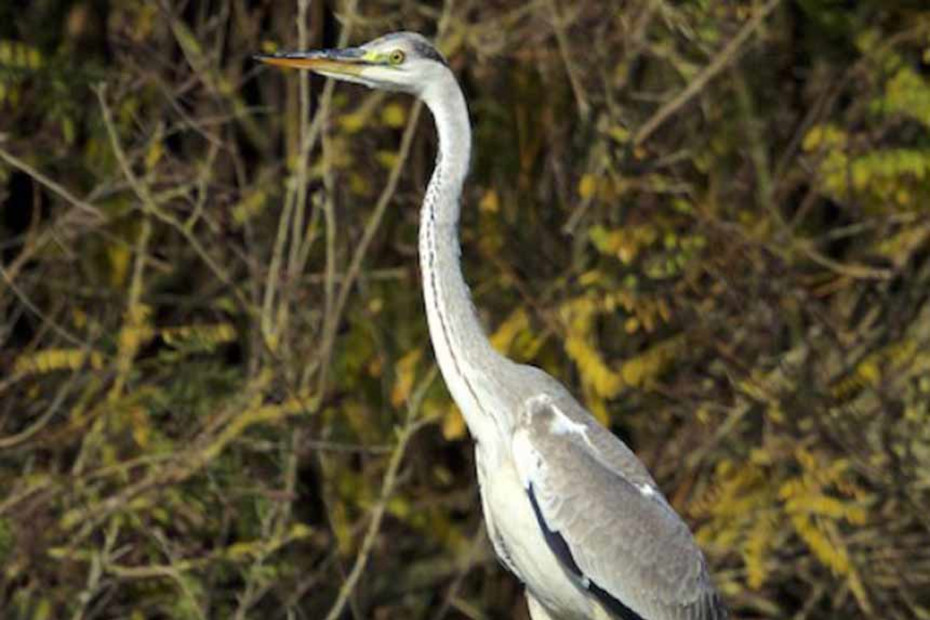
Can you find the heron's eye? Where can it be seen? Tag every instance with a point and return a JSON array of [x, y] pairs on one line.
[[397, 57]]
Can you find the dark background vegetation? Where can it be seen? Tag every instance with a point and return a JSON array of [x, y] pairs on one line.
[[217, 395]]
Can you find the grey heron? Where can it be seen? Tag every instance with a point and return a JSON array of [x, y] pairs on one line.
[[569, 508]]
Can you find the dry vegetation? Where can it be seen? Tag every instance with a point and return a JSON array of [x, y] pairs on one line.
[[217, 395]]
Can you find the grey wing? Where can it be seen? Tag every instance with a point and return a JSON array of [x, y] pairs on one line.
[[603, 516]]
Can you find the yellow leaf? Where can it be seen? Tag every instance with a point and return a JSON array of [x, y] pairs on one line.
[[399, 507], [141, 430], [869, 372], [503, 338], [206, 336], [590, 278], [262, 414], [405, 371], [153, 154], [43, 610], [68, 130], [490, 202], [453, 424], [388, 159], [352, 123], [249, 206], [813, 139], [49, 360], [119, 257], [594, 370], [241, 550], [79, 318], [759, 540], [587, 186], [300, 530], [394, 115], [342, 527], [359, 184], [648, 365], [620, 134]]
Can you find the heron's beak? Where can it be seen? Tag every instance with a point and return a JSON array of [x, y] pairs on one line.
[[348, 61]]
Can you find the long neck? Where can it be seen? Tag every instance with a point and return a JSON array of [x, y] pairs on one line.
[[461, 346]]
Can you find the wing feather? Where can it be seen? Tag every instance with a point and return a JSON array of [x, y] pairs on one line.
[[605, 519]]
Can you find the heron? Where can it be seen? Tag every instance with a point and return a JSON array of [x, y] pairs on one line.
[[570, 509]]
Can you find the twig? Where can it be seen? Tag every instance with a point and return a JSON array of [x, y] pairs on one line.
[[273, 322], [12, 441], [558, 26], [141, 190], [150, 205], [305, 145], [51, 185], [269, 329], [98, 562], [79, 206], [27, 302], [411, 426], [332, 310], [126, 353], [848, 270], [729, 53], [368, 235], [466, 563]]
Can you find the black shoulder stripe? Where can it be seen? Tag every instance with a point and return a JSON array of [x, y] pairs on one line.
[[612, 603], [555, 540], [560, 548]]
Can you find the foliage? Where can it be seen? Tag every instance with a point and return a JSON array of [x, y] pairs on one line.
[[217, 396]]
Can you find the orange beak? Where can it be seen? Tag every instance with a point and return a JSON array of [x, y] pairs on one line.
[[349, 61]]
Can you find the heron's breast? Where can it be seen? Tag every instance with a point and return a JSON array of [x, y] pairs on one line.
[[518, 540]]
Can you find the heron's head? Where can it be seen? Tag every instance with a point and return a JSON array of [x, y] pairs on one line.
[[401, 61]]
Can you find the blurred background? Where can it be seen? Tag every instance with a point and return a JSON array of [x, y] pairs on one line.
[[217, 394]]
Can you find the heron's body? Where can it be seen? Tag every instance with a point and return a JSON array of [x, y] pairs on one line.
[[569, 508]]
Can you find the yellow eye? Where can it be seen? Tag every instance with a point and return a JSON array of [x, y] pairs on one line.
[[397, 57]]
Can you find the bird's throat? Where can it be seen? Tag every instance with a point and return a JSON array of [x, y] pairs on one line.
[[459, 341]]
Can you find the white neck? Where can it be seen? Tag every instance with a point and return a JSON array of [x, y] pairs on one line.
[[462, 349]]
